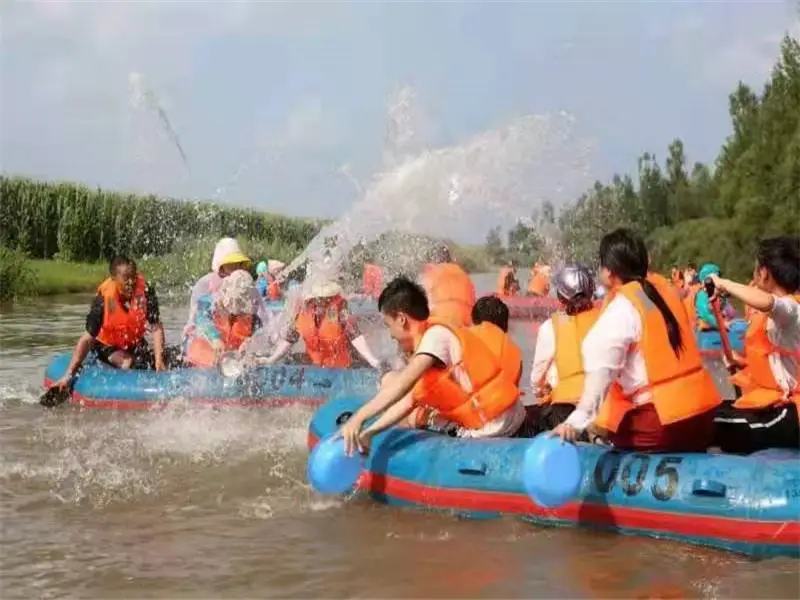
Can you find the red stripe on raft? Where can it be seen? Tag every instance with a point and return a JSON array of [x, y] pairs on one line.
[[611, 516]]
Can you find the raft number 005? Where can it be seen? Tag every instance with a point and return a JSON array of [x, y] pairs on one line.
[[608, 468]]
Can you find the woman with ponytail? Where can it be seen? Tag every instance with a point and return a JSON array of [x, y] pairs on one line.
[[646, 388]]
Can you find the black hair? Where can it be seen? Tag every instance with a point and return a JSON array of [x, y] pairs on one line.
[[119, 261], [691, 265], [403, 295], [492, 310], [781, 257], [624, 254]]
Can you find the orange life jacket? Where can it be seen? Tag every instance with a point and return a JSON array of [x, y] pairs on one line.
[[274, 289], [570, 331], [451, 293], [122, 328], [233, 330], [372, 281], [689, 303], [503, 347], [506, 282], [759, 387], [326, 343], [492, 394], [539, 284], [680, 387]]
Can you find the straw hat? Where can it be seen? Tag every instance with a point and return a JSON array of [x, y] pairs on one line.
[[235, 294]]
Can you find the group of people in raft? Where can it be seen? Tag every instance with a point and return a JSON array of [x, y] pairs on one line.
[[628, 371]]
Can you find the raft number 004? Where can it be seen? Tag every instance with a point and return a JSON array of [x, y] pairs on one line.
[[666, 475]]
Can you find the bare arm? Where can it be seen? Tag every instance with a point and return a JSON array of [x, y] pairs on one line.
[[159, 341], [392, 416], [395, 390], [81, 350], [752, 296], [361, 346]]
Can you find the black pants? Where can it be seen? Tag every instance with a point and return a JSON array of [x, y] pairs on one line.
[[543, 417], [143, 355], [740, 431]]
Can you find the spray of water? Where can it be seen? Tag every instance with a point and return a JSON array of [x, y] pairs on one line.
[[144, 98], [503, 174]]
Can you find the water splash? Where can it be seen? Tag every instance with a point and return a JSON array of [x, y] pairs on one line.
[[503, 174], [144, 98]]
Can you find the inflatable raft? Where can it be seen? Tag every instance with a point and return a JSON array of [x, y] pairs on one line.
[[710, 343], [744, 504], [101, 386]]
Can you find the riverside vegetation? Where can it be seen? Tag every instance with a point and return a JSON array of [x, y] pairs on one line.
[[702, 214]]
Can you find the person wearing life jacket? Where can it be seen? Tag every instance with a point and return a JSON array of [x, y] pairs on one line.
[[677, 278], [766, 414], [539, 284], [225, 321], [507, 282], [324, 324], [450, 291], [120, 314], [228, 258], [698, 306], [490, 320], [557, 373], [372, 281], [690, 274], [645, 387], [452, 383]]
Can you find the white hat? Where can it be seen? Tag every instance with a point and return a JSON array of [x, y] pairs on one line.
[[323, 289], [227, 251], [274, 267], [235, 294]]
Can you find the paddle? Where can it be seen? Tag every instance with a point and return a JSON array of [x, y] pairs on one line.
[[713, 299], [54, 396]]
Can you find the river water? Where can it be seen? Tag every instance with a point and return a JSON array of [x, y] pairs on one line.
[[213, 503]]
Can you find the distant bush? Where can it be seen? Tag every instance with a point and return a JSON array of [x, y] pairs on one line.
[[16, 275]]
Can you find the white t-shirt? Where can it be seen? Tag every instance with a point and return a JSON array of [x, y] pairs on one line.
[[783, 330], [544, 366], [443, 344], [612, 346]]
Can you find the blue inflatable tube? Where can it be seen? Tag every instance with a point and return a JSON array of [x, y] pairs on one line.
[[101, 386], [745, 504], [710, 343]]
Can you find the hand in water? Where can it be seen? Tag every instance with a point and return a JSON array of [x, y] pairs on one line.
[[62, 383], [351, 433]]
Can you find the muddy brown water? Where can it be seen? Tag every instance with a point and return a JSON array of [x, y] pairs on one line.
[[200, 503]]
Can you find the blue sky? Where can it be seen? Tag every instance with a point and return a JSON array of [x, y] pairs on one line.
[[286, 94]]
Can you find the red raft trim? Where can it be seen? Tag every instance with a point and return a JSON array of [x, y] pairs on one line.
[[119, 404], [615, 517], [686, 524]]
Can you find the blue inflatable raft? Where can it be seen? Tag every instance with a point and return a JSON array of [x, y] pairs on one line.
[[710, 343], [745, 504], [101, 386]]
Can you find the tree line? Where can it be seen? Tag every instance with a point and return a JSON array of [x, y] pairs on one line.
[[695, 212]]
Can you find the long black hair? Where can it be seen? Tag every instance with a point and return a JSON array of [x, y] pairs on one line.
[[624, 254]]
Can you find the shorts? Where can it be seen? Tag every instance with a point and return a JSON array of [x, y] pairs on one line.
[[505, 425], [143, 355], [642, 430], [743, 431]]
